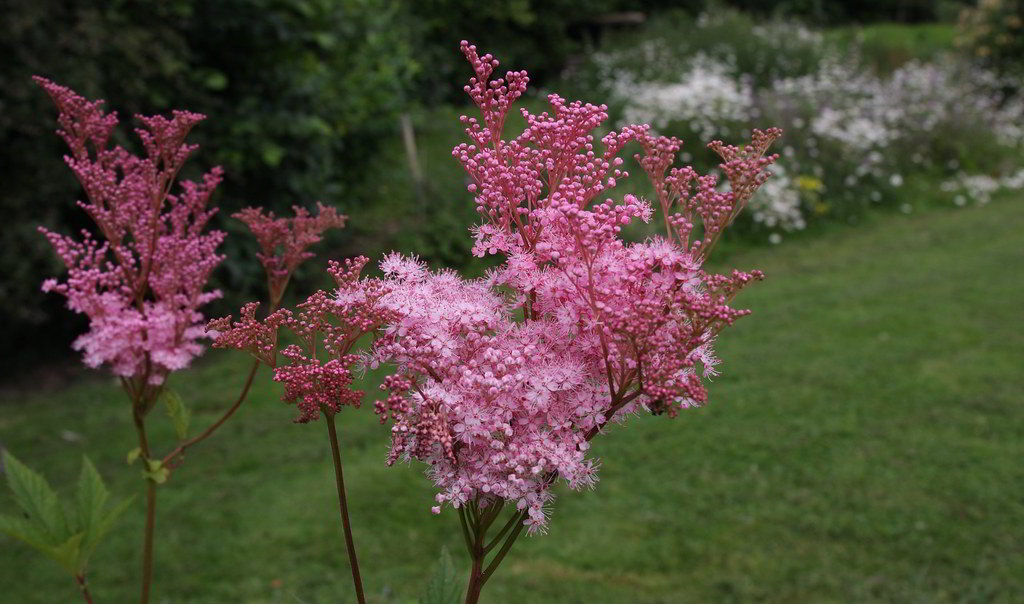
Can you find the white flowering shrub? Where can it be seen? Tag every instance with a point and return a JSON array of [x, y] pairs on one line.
[[777, 205], [708, 98], [978, 189], [854, 137]]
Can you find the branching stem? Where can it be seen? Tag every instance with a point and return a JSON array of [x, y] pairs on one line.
[[476, 536], [179, 451]]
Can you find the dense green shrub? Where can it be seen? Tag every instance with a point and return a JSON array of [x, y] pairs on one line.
[[299, 92], [870, 114], [993, 32]]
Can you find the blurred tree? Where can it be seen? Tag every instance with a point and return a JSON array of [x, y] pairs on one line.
[[298, 92], [540, 35], [94, 47], [835, 12], [993, 34]]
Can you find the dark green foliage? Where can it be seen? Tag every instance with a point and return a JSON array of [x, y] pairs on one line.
[[993, 33], [298, 94], [67, 535], [74, 43], [886, 46], [541, 36], [834, 12]]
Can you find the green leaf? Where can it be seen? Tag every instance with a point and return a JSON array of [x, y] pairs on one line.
[[156, 471], [110, 516], [22, 529], [444, 586], [178, 412], [35, 497], [68, 554], [67, 539], [133, 455], [90, 499]]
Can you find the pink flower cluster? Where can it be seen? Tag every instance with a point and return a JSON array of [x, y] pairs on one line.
[[142, 283], [325, 325], [502, 382], [284, 241]]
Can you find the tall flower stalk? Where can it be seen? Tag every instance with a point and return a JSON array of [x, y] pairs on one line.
[[142, 277], [142, 283], [318, 375]]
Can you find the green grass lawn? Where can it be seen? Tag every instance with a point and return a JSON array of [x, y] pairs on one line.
[[865, 443], [887, 46]]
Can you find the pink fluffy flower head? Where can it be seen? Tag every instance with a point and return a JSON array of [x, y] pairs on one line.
[[502, 382], [143, 279]]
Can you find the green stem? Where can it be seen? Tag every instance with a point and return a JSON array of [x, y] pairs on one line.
[[508, 525], [357, 581], [479, 575], [507, 545], [465, 530]]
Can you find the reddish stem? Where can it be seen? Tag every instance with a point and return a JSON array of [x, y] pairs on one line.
[[85, 588], [180, 449], [357, 581], [476, 580], [147, 538], [476, 527]]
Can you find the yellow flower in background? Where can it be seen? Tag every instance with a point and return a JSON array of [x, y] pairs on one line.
[[809, 183]]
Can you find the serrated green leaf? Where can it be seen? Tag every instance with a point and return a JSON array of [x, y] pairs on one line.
[[178, 412], [444, 586], [35, 497], [133, 455], [103, 525], [22, 530], [84, 526], [90, 498], [108, 519], [68, 554]]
